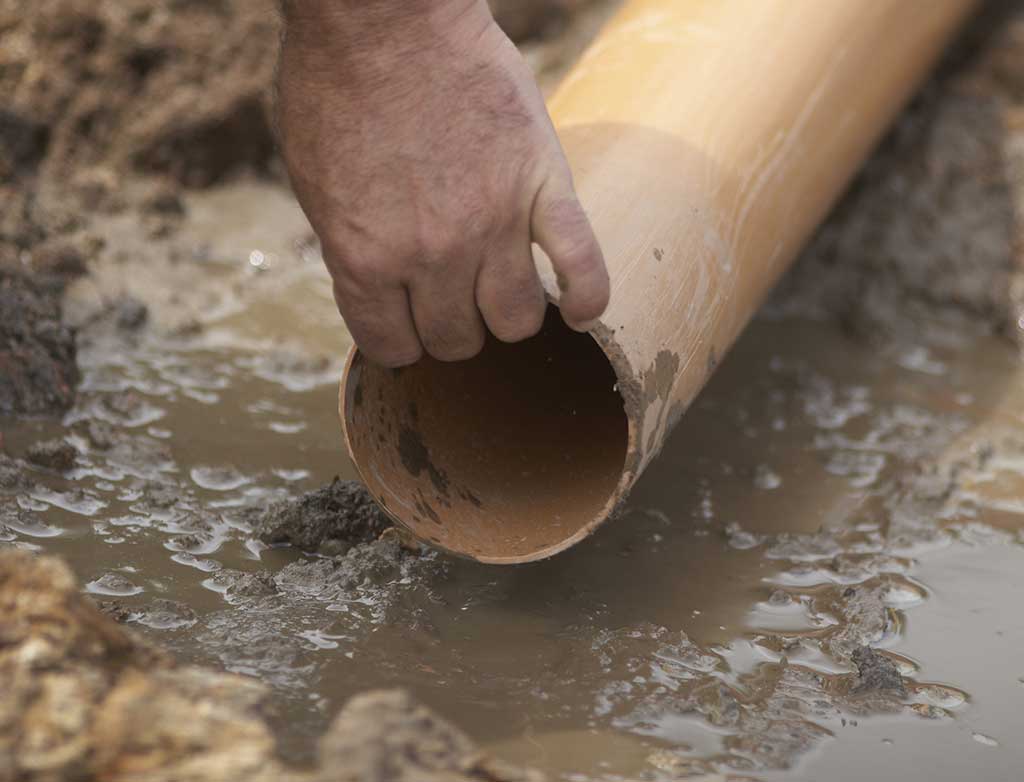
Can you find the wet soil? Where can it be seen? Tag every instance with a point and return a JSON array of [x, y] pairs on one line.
[[37, 350], [327, 521], [93, 701], [817, 580]]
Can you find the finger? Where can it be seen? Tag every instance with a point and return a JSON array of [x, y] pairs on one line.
[[380, 322], [560, 226], [509, 294], [444, 310]]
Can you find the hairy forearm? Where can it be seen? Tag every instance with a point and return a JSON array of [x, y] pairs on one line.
[[297, 9], [373, 42], [376, 19]]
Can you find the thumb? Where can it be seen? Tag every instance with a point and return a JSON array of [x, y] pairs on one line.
[[561, 228]]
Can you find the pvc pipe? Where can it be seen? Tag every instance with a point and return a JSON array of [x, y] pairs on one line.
[[708, 139]]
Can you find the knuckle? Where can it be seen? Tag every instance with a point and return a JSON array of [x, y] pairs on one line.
[[392, 357], [439, 243], [383, 347], [478, 226], [461, 234], [359, 274], [518, 315], [434, 264], [361, 267], [402, 358], [447, 346], [565, 214], [576, 246], [518, 329]]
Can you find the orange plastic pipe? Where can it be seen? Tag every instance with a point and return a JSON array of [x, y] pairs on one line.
[[708, 139]]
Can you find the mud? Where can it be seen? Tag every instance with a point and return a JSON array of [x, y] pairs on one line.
[[876, 672], [329, 521], [38, 373], [85, 699], [927, 240], [817, 580], [53, 454]]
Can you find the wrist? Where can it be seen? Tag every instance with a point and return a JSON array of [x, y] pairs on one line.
[[347, 24]]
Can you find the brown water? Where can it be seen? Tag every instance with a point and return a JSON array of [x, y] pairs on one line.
[[700, 633]]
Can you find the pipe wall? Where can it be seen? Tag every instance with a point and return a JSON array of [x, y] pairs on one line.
[[708, 139]]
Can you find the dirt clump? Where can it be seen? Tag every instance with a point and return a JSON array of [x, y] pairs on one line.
[[57, 455], [58, 258], [171, 87], [38, 373], [382, 567], [328, 521], [241, 586], [111, 104], [389, 732], [876, 673], [927, 242], [13, 474], [85, 699], [130, 314], [159, 614]]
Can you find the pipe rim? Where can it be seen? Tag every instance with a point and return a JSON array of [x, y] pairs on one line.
[[613, 503]]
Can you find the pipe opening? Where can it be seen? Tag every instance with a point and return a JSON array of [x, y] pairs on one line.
[[509, 457]]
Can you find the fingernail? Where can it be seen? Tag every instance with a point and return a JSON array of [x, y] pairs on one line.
[[585, 326]]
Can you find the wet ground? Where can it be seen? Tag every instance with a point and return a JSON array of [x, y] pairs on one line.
[[821, 496], [819, 579]]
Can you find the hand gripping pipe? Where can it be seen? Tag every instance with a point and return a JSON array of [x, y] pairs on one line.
[[708, 139]]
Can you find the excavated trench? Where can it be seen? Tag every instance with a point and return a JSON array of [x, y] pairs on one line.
[[819, 578]]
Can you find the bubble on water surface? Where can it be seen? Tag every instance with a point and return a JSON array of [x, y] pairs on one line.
[[766, 478], [218, 478], [987, 741], [113, 585], [31, 525]]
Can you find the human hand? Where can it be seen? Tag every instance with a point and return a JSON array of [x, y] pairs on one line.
[[420, 149]]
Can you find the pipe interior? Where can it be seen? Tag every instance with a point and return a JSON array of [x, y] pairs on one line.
[[507, 457]]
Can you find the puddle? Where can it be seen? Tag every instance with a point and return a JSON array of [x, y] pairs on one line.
[[708, 630], [969, 633]]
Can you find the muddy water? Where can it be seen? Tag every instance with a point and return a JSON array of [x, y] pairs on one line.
[[793, 517]]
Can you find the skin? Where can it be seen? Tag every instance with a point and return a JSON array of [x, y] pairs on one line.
[[420, 149]]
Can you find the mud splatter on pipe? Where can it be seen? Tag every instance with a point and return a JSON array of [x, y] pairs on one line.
[[708, 139]]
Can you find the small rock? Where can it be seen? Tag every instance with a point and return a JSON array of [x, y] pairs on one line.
[[876, 673], [98, 189], [13, 474], [100, 435], [55, 455], [163, 614], [131, 314], [116, 610], [113, 585], [58, 258], [165, 200], [237, 584]]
